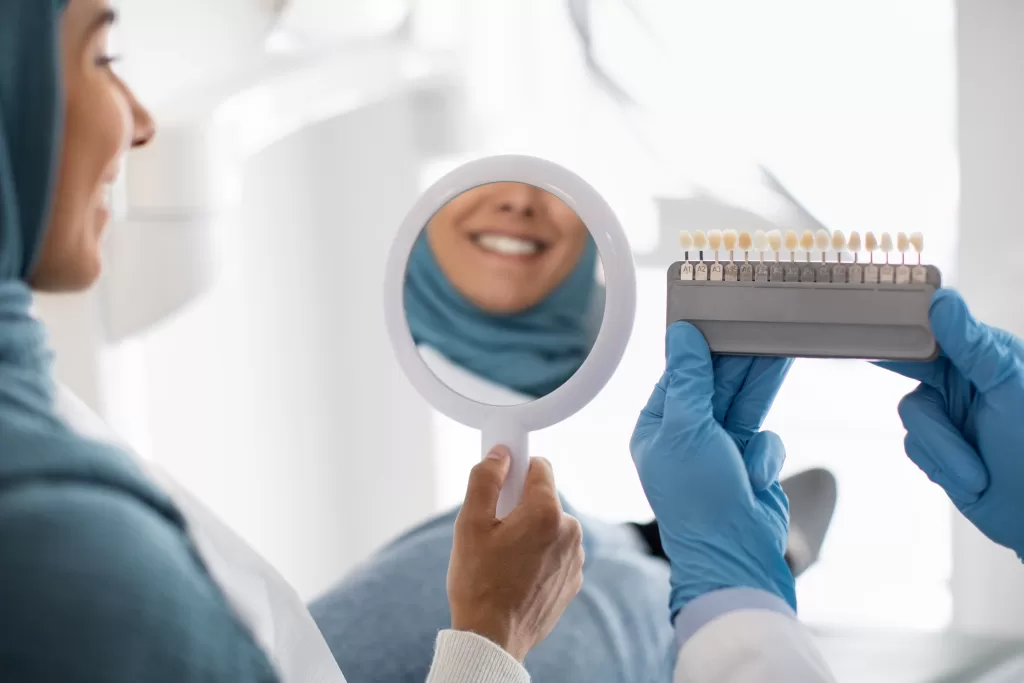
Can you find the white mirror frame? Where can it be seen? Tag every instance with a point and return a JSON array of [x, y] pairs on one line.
[[510, 425]]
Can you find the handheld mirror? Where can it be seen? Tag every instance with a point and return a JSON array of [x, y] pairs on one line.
[[510, 293]]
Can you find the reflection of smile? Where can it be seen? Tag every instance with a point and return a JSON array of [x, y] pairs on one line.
[[508, 246]]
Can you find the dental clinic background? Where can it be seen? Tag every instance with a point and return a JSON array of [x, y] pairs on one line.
[[264, 360]]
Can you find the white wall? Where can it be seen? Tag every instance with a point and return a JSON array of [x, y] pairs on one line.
[[988, 582], [276, 399]]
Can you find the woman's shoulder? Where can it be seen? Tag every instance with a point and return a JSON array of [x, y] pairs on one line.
[[97, 583], [98, 577]]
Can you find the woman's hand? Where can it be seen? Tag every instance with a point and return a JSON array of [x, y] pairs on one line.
[[510, 580]]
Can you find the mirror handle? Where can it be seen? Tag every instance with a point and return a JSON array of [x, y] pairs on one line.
[[516, 440]]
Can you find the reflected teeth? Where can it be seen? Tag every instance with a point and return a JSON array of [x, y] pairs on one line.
[[508, 246]]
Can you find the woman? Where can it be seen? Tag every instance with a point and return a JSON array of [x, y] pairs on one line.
[[503, 300], [109, 571], [501, 293]]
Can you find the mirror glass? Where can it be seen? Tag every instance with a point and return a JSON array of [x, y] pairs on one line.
[[503, 293]]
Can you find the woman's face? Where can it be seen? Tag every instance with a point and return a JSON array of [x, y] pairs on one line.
[[506, 246], [102, 120]]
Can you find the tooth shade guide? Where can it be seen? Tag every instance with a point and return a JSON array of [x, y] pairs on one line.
[[769, 316]]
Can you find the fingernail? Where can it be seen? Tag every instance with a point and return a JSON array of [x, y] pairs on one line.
[[498, 453]]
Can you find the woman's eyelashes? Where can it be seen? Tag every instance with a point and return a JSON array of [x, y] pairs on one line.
[[106, 61]]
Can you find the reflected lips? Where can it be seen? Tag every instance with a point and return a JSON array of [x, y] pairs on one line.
[[507, 245]]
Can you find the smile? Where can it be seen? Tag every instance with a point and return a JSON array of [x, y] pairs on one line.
[[507, 245]]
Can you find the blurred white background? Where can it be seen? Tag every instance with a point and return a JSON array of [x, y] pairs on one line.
[[274, 396]]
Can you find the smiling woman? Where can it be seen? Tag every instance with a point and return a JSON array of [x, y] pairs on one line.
[[102, 120], [501, 293], [506, 246]]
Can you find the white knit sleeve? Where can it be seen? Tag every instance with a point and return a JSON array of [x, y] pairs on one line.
[[464, 657]]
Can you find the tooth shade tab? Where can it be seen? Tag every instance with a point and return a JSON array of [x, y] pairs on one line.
[[886, 244], [870, 243], [715, 239], [745, 241], [822, 240], [917, 241], [807, 240], [700, 240], [792, 240], [853, 244], [729, 239], [761, 240], [686, 240], [902, 242], [838, 240]]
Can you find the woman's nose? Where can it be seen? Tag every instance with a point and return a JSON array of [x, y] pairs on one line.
[[144, 128], [518, 198]]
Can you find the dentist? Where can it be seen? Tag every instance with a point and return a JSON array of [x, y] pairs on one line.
[[711, 477]]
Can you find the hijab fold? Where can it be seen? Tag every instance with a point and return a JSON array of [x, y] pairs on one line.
[[532, 352]]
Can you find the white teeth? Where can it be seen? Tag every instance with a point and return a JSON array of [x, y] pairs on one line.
[[507, 246]]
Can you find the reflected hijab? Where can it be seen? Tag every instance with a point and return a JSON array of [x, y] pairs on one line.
[[35, 443], [532, 352]]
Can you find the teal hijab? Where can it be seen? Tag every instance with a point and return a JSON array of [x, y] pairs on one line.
[[34, 441], [532, 352], [30, 118]]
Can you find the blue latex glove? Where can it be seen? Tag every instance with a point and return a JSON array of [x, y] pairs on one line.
[[965, 422], [710, 476]]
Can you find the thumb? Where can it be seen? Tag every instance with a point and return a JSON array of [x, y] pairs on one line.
[[939, 449], [485, 482], [764, 457], [690, 376], [971, 346]]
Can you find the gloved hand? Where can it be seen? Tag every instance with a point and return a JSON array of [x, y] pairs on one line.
[[965, 422], [710, 476]]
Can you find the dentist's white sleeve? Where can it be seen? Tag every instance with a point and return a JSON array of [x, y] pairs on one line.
[[463, 657], [742, 635]]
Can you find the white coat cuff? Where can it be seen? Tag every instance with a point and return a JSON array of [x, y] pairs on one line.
[[464, 657], [710, 606]]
